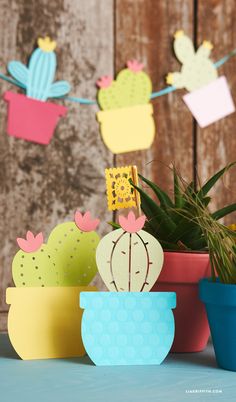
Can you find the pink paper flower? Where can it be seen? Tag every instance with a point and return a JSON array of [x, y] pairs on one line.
[[31, 243], [104, 82], [134, 66], [131, 224], [85, 222]]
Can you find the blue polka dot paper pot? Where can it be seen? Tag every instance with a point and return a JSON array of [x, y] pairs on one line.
[[127, 328]]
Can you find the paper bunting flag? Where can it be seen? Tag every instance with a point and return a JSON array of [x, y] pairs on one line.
[[29, 116], [126, 121], [128, 325], [49, 278], [210, 99], [120, 193]]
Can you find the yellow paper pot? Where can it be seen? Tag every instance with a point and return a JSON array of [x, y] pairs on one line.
[[127, 129], [45, 322]]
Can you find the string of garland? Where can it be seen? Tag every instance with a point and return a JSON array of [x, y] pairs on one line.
[[85, 101]]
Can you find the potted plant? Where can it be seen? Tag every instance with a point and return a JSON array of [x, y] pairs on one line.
[[209, 99], [30, 116], [44, 318], [126, 120], [186, 258], [128, 325], [219, 291]]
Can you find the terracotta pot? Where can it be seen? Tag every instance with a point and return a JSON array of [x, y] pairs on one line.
[[127, 129], [45, 322], [32, 119], [181, 273]]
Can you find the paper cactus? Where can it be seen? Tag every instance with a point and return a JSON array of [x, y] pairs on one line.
[[129, 259], [132, 87], [68, 258], [74, 245], [33, 265], [197, 69], [38, 77]]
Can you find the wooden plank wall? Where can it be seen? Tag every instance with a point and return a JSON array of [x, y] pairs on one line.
[[43, 185]]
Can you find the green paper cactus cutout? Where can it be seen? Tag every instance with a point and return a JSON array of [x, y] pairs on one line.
[[129, 259], [132, 87], [34, 265], [68, 258], [197, 69], [74, 245]]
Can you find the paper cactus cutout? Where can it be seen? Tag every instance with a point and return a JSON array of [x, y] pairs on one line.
[[38, 77], [34, 264], [132, 87], [129, 260], [120, 193], [74, 245], [197, 69]]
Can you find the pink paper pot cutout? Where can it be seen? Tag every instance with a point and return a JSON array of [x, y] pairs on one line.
[[31, 119], [210, 103], [181, 273]]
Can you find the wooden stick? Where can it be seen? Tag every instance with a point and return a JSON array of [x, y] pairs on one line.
[[134, 172]]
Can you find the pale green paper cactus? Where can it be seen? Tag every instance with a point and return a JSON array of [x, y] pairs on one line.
[[68, 258], [129, 259], [132, 87], [197, 70]]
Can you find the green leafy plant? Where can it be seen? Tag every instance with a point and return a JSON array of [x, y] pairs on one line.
[[172, 221], [220, 242]]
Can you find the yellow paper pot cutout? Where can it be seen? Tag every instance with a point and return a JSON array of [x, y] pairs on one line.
[[45, 322], [127, 129]]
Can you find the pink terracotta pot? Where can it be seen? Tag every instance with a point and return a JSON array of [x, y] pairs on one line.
[[181, 273], [32, 119]]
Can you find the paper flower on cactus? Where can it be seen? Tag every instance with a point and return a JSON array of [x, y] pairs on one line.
[[68, 258], [85, 222], [129, 259], [104, 82], [134, 66], [197, 69], [37, 78], [31, 243]]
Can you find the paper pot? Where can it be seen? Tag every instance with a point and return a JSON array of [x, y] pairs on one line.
[[210, 103], [220, 303], [31, 119], [127, 129], [45, 322], [181, 273], [127, 328]]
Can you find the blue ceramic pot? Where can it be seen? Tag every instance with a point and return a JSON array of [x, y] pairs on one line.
[[127, 328], [220, 302]]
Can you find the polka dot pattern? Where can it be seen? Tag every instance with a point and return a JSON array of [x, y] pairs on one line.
[[127, 328]]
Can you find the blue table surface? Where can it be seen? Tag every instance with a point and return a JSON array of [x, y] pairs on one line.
[[77, 379]]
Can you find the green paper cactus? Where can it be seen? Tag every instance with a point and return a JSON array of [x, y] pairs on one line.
[[74, 245], [68, 258], [129, 259], [197, 69], [132, 87], [34, 265]]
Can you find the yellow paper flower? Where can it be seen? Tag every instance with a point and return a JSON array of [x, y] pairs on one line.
[[120, 193], [46, 44]]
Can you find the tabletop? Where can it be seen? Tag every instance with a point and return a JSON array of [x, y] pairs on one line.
[[181, 377]]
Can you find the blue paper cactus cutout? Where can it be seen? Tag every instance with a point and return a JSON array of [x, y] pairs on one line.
[[38, 77]]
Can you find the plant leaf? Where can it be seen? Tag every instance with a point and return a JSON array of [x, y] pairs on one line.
[[224, 211], [212, 181]]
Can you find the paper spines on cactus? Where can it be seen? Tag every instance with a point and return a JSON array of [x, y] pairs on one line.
[[129, 259], [38, 77], [197, 69], [132, 87], [68, 258]]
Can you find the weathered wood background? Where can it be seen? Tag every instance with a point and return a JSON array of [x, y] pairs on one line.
[[41, 186]]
